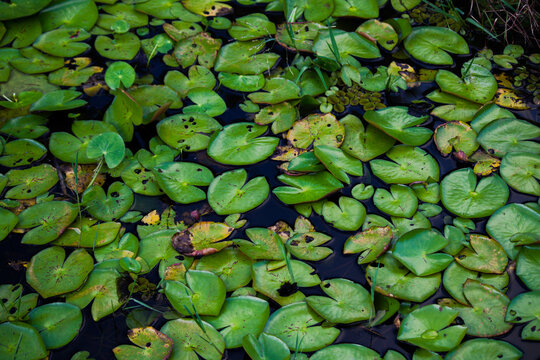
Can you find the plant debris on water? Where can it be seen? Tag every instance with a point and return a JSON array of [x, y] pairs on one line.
[[269, 179]]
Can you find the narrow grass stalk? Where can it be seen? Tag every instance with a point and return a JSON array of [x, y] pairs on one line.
[[286, 258], [334, 48]]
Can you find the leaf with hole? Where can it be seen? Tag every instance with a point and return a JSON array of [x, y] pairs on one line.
[[47, 221], [180, 180], [149, 343], [525, 308]]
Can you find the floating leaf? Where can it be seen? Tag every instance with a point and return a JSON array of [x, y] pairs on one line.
[[370, 243], [364, 143], [57, 323], [524, 309], [345, 351], [200, 47], [266, 347], [203, 238], [457, 136], [119, 74], [120, 47], [111, 206], [108, 145], [348, 216], [383, 32], [477, 83], [509, 135], [207, 102], [87, 233], [48, 220], [489, 348], [179, 180], [150, 344], [317, 129], [400, 201], [276, 90], [431, 44], [31, 182], [241, 57], [21, 152], [187, 132], [15, 304], [231, 265], [63, 42], [485, 255], [58, 100], [349, 45], [306, 188], [522, 171], [21, 340]]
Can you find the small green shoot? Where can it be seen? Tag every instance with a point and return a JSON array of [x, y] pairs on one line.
[[334, 48]]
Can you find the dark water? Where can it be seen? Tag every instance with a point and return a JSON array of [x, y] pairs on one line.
[[100, 337]]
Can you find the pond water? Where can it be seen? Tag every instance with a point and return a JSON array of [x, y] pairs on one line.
[[100, 337]]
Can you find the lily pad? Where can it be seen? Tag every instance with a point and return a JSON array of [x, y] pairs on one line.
[[21, 152], [16, 305], [489, 348], [198, 77], [485, 315], [282, 116], [348, 216], [252, 26], [207, 102], [179, 180], [346, 351], [409, 164], [370, 243], [25, 127], [231, 265], [431, 44], [400, 201], [31, 182], [457, 136], [150, 344], [276, 90], [48, 220], [362, 192], [509, 135], [266, 347], [398, 123], [522, 171], [57, 323], [63, 42], [120, 47], [200, 47], [203, 293], [187, 132], [191, 341], [395, 280], [317, 129], [297, 321], [348, 302], [230, 194], [202, 238], [263, 245], [304, 35], [477, 83], [349, 45], [464, 196], [383, 32], [87, 233], [528, 266], [51, 274], [239, 317], [429, 328], [484, 255], [243, 57], [524, 308], [21, 340], [364, 143], [306, 188], [109, 146], [58, 100], [244, 83], [81, 13], [32, 61]]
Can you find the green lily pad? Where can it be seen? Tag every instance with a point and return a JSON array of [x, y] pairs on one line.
[[204, 293], [524, 308], [127, 245], [357, 8], [51, 274], [119, 74], [528, 266], [431, 44], [240, 144], [156, 248], [32, 61], [276, 90], [427, 192], [404, 5], [338, 162], [417, 250], [304, 35], [489, 348], [48, 220], [202, 238], [25, 127], [22, 32], [307, 245], [150, 344], [274, 280], [208, 8], [370, 243], [191, 341], [462, 195], [245, 83], [16, 305], [198, 77], [362, 192], [102, 289], [58, 100], [349, 45], [231, 265], [21, 152], [120, 47], [348, 216], [252, 26], [108, 145], [364, 143], [429, 328], [207, 102], [31, 182], [63, 42], [266, 347], [409, 164], [456, 275], [509, 135], [87, 233], [522, 171], [400, 201], [395, 280], [230, 194], [179, 180], [123, 113], [346, 351], [484, 255], [242, 57], [383, 32], [317, 129], [113, 205], [57, 323], [239, 317], [200, 47], [297, 321], [348, 302], [21, 340], [263, 245], [477, 83], [187, 132], [399, 124], [81, 13], [306, 188], [485, 315], [488, 114], [282, 116], [403, 225], [457, 136]]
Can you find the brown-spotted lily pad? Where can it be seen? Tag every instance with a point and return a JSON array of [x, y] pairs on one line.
[[149, 344], [203, 238]]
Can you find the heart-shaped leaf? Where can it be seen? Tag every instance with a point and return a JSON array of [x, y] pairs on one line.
[[231, 265], [528, 265], [108, 145], [345, 351], [263, 245], [16, 305], [63, 42], [348, 216], [431, 44], [31, 182], [179, 180], [21, 152], [241, 144], [370, 243], [57, 323], [202, 238], [187, 132], [509, 135], [348, 44], [298, 321], [489, 348], [522, 172], [87, 233], [477, 83], [338, 162], [399, 124], [251, 27], [149, 344], [266, 347], [364, 143], [456, 136], [207, 102], [317, 129], [306, 188], [51, 274], [276, 90], [484, 255], [400, 201], [48, 220], [120, 74], [464, 196], [120, 47], [306, 245], [525, 308], [242, 57], [21, 340], [198, 77], [230, 194], [108, 207]]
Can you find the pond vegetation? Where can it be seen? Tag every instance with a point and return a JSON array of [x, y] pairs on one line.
[[268, 179]]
